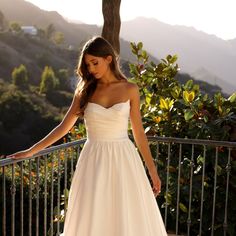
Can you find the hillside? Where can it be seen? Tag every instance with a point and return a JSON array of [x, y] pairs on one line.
[[34, 54]]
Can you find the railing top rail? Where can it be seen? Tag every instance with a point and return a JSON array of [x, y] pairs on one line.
[[192, 141], [9, 161]]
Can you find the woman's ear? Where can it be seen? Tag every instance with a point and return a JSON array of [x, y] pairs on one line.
[[109, 59]]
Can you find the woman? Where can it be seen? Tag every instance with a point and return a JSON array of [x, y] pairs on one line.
[[110, 194]]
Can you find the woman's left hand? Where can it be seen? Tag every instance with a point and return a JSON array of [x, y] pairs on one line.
[[20, 155], [156, 182]]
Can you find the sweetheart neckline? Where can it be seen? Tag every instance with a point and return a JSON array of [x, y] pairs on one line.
[[107, 108]]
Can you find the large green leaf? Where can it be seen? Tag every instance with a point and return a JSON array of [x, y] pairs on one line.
[[188, 115]]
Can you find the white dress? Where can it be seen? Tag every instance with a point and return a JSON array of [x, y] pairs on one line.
[[110, 193]]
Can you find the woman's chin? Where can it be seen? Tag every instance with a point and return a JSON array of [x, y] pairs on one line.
[[97, 76]]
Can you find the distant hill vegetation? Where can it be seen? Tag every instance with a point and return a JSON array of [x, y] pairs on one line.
[[34, 54]]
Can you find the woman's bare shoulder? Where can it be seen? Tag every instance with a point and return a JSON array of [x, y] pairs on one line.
[[130, 85], [132, 88]]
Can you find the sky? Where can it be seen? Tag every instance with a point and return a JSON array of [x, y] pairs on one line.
[[215, 17]]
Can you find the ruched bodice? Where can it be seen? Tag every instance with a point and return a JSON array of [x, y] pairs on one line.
[[107, 123]]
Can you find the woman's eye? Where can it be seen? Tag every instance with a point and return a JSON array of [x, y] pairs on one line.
[[96, 63]]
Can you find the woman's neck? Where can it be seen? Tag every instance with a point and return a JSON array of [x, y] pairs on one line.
[[108, 79]]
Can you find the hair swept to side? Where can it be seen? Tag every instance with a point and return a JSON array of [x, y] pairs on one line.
[[98, 47]]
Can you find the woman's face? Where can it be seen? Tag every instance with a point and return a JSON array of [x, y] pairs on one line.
[[97, 66]]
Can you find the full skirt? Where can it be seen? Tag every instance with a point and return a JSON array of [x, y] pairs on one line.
[[110, 193]]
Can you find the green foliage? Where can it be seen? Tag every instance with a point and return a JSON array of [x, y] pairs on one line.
[[60, 98], [14, 104], [76, 132], [205, 87], [43, 59], [41, 33], [64, 79], [172, 109], [21, 112], [59, 38], [15, 27], [49, 82], [20, 76], [179, 110]]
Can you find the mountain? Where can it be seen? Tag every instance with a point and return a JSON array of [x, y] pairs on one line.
[[195, 49], [28, 14], [75, 32], [233, 43], [205, 75]]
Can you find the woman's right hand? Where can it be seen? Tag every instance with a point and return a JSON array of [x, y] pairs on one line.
[[20, 155]]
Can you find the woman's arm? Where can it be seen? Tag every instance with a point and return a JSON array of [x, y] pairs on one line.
[[141, 138], [57, 133]]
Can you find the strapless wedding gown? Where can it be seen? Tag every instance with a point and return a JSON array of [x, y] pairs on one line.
[[110, 193]]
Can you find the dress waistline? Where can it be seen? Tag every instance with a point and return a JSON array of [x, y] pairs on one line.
[[94, 139]]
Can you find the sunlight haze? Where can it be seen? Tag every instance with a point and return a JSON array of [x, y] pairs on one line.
[[211, 16]]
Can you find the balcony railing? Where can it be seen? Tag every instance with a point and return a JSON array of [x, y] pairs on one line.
[[196, 192]]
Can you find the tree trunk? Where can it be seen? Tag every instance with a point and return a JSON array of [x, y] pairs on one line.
[[111, 26]]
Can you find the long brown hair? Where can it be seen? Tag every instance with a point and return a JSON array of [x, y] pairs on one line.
[[98, 47]]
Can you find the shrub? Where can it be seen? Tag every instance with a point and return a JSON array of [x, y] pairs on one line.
[[49, 82], [20, 76]]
